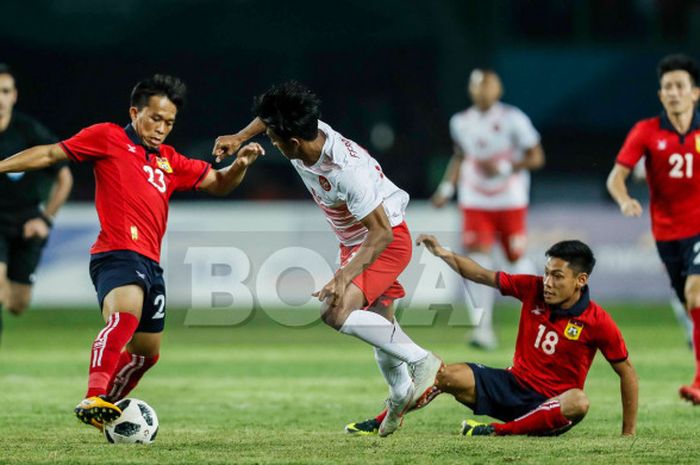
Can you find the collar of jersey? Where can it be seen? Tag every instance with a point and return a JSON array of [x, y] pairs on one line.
[[131, 132], [577, 309], [666, 124]]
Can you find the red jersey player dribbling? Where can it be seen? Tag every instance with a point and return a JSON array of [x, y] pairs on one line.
[[670, 144], [560, 331], [135, 175]]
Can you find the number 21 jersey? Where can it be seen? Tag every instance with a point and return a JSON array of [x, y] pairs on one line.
[[672, 163]]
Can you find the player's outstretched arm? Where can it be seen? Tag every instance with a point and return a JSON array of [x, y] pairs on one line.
[[465, 266], [222, 182], [35, 158], [446, 189], [618, 191], [227, 145], [629, 393]]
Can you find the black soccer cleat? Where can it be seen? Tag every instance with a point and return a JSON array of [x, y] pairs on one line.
[[474, 428], [363, 428]]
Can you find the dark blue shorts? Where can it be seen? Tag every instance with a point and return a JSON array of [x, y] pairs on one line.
[[110, 270], [680, 259], [500, 395]]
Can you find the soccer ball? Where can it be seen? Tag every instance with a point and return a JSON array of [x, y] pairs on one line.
[[138, 423]]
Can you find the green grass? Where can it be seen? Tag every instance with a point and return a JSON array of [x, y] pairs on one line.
[[265, 394]]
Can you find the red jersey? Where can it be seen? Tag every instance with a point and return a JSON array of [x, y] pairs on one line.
[[133, 185], [555, 347], [673, 174]]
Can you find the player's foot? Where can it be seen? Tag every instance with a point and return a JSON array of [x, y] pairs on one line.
[[363, 428], [690, 393], [396, 408], [483, 339], [474, 428], [96, 411], [424, 373]]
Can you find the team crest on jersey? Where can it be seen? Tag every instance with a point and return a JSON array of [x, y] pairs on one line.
[[325, 184], [573, 330], [164, 164], [661, 145]]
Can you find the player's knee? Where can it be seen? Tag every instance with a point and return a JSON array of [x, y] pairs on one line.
[[331, 317], [576, 405], [18, 306], [692, 295], [449, 377]]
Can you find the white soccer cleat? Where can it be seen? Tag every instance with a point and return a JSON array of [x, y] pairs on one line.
[[484, 339], [396, 408], [424, 373]]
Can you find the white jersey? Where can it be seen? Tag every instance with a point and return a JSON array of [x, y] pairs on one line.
[[502, 133], [348, 184]]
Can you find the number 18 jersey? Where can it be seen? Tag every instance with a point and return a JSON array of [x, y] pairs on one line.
[[555, 347], [672, 163]]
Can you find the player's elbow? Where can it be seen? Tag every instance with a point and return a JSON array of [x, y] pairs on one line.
[[385, 238]]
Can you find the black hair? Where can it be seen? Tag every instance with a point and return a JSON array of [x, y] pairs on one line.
[[5, 69], [578, 255], [159, 84], [676, 62], [290, 110]]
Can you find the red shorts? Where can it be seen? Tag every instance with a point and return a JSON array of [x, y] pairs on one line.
[[379, 279], [484, 227]]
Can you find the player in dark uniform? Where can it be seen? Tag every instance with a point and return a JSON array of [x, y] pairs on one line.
[[671, 146], [560, 331], [28, 201], [135, 175]]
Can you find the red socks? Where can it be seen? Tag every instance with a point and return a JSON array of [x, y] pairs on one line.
[[380, 417], [127, 374], [695, 316], [106, 350], [546, 418]]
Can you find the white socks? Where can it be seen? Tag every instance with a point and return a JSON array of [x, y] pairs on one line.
[[376, 330], [395, 373]]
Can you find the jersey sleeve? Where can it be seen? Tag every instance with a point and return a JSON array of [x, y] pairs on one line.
[[188, 173], [517, 285], [89, 144], [634, 147], [524, 133], [360, 191], [609, 339]]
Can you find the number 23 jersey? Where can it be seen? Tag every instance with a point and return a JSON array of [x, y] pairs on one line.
[[555, 347], [133, 185], [672, 164]]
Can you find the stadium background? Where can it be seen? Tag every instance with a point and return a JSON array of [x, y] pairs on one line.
[[390, 76]]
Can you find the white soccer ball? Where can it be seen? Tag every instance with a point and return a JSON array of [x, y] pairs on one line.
[[138, 423]]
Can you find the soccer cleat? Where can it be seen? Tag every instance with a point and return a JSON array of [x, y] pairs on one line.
[[424, 372], [363, 428], [395, 411], [474, 428], [690, 393], [96, 411], [483, 339]]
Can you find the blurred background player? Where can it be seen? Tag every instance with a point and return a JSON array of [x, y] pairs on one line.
[[561, 328], [28, 201], [367, 213], [495, 148], [671, 144], [135, 175]]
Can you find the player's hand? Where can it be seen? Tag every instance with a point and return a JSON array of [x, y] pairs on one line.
[[249, 153], [438, 200], [430, 242], [631, 208], [36, 227], [225, 146], [332, 293]]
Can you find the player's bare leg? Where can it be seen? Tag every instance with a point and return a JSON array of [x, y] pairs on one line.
[[141, 354], [121, 310], [375, 329], [20, 295], [691, 392]]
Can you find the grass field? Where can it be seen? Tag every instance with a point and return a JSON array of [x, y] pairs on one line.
[[265, 394]]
